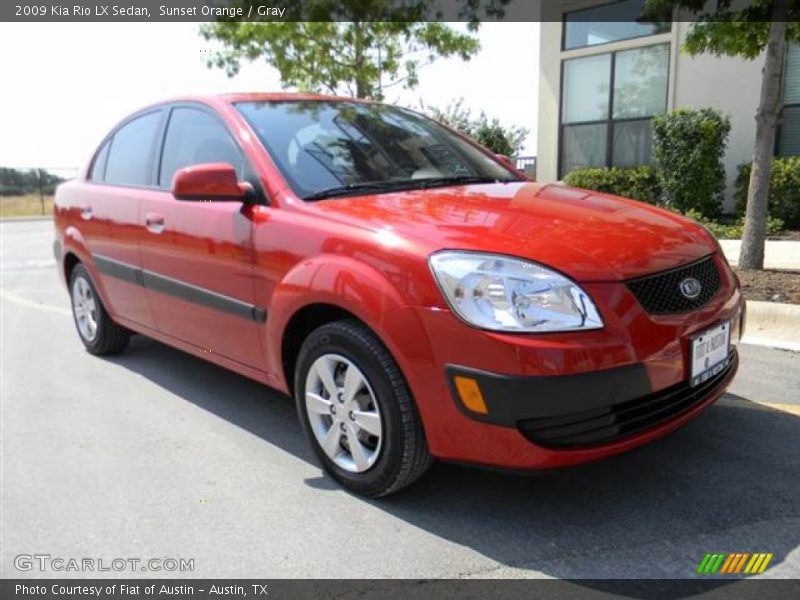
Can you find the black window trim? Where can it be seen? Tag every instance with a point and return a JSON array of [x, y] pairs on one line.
[[610, 120], [110, 139], [261, 195], [156, 152], [778, 132], [198, 106], [100, 149], [776, 150], [636, 37]]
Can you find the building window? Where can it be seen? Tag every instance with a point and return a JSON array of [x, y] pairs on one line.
[[607, 101], [608, 23], [789, 135]]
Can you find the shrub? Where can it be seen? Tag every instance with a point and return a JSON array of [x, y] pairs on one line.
[[784, 189], [638, 183], [688, 146], [498, 138], [732, 231]]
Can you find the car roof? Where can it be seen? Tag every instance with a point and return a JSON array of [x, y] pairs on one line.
[[231, 98], [272, 96]]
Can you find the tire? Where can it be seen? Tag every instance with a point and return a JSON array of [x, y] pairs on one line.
[[381, 403], [99, 334]]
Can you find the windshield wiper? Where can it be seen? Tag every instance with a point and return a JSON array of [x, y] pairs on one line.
[[353, 189], [358, 188], [461, 180]]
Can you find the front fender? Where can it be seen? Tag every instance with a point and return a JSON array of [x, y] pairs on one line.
[[355, 287]]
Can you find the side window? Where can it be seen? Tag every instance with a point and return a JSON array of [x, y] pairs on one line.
[[131, 149], [99, 165], [194, 137]]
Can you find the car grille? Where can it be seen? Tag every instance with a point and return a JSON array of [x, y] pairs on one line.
[[660, 294], [612, 423]]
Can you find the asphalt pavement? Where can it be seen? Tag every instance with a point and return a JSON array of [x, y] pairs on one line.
[[156, 454]]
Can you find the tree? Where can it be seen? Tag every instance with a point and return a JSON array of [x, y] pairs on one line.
[[760, 26], [16, 182], [688, 151], [349, 46], [487, 132]]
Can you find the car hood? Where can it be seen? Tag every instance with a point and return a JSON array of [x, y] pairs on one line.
[[587, 235]]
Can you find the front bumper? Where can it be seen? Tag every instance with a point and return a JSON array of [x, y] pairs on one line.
[[635, 358], [585, 410]]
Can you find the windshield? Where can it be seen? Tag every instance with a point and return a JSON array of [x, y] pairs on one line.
[[340, 148]]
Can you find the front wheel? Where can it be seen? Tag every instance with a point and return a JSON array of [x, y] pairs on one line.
[[97, 331], [357, 411]]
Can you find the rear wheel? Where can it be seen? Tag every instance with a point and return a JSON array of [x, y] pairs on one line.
[[97, 331], [357, 411]]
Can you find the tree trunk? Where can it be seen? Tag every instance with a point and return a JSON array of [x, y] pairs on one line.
[[362, 86], [751, 255]]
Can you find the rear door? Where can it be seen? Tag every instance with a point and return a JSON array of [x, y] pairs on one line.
[[198, 256], [109, 212]]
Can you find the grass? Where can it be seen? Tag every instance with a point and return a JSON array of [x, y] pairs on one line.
[[28, 205]]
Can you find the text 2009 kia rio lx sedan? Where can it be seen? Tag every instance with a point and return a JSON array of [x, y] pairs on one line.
[[417, 295]]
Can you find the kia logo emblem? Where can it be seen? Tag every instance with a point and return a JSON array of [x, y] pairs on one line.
[[690, 288]]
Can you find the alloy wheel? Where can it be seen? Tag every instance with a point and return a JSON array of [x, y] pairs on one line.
[[343, 412], [85, 307]]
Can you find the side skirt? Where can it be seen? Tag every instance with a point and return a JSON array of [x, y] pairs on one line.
[[232, 365]]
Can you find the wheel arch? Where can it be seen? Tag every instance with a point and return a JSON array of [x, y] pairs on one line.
[[318, 291], [68, 264], [300, 325], [73, 251]]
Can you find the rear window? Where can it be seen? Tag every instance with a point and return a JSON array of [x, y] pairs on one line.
[[131, 152]]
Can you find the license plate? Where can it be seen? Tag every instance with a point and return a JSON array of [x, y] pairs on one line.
[[710, 350]]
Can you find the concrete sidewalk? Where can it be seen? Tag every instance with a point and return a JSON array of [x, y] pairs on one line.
[[777, 255]]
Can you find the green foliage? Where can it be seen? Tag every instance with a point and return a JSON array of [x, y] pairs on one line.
[[638, 183], [487, 132], [731, 231], [353, 47], [16, 182], [784, 189], [730, 29], [688, 147]]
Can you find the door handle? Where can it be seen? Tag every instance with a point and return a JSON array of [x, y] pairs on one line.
[[154, 222], [86, 211]]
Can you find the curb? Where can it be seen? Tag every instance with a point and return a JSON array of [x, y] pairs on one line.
[[773, 324]]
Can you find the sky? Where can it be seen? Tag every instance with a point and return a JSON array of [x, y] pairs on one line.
[[64, 85]]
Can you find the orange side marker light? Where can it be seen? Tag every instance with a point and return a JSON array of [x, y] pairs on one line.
[[470, 394]]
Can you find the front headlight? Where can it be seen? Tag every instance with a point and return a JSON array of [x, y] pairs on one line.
[[500, 293]]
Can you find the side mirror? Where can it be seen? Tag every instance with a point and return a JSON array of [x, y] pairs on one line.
[[211, 182]]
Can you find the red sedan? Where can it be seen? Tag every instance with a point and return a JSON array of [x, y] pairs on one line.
[[418, 296]]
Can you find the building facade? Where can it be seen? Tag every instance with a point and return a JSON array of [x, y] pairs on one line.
[[603, 76]]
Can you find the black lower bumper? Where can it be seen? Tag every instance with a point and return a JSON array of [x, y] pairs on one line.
[[588, 409]]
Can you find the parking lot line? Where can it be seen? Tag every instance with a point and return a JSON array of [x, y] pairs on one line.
[[22, 301]]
